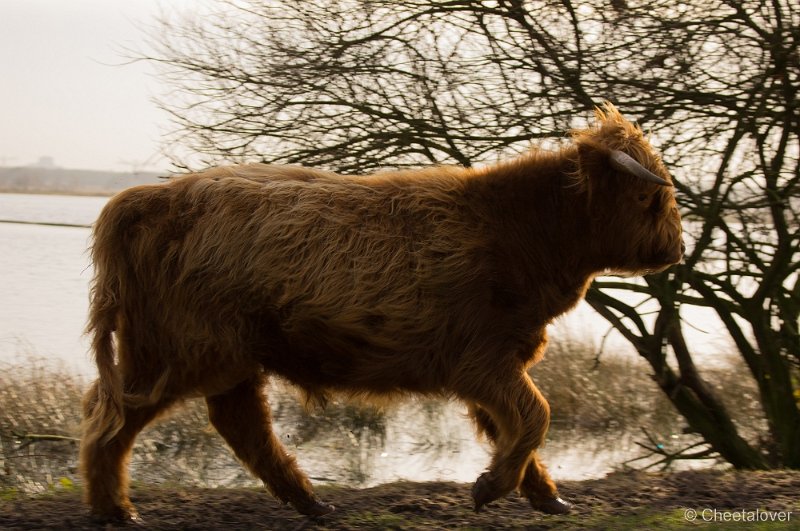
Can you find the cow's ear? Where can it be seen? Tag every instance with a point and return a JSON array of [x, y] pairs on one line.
[[593, 164]]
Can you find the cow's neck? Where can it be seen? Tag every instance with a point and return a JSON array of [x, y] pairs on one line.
[[541, 228]]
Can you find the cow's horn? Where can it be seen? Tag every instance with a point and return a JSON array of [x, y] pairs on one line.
[[624, 162]]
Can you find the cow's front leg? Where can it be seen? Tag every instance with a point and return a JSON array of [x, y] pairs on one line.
[[536, 484], [517, 417]]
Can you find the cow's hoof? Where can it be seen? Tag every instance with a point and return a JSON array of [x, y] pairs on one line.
[[484, 491], [552, 505], [119, 515], [314, 508]]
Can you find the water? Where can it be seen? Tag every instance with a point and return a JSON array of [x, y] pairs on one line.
[[44, 278], [416, 440]]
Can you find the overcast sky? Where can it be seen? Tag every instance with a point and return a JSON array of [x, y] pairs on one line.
[[61, 97]]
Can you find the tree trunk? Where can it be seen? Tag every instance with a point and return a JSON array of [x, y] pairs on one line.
[[701, 408]]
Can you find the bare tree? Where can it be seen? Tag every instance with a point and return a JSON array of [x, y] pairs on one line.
[[723, 79], [361, 84]]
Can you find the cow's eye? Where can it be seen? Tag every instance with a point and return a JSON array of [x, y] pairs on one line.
[[642, 197]]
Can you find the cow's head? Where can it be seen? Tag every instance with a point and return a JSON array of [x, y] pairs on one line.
[[635, 226]]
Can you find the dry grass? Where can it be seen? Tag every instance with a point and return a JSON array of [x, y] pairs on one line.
[[592, 394], [40, 420], [614, 391], [36, 401]]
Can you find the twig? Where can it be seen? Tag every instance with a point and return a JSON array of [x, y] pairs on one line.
[[668, 457], [31, 438], [25, 456]]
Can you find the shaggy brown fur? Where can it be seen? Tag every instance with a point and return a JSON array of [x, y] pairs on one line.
[[439, 281]]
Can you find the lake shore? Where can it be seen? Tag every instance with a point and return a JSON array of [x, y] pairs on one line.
[[639, 500]]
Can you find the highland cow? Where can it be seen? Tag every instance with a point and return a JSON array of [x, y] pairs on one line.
[[440, 281]]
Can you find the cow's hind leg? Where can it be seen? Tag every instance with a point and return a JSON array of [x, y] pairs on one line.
[[243, 418], [104, 464], [536, 484], [519, 417]]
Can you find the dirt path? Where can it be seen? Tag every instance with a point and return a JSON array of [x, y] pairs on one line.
[[627, 501]]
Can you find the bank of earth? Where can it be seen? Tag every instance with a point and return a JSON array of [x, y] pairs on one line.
[[619, 501]]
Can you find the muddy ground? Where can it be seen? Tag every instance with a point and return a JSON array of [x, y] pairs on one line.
[[619, 501]]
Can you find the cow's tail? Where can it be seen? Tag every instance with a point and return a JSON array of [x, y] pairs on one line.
[[114, 283], [104, 406], [104, 409]]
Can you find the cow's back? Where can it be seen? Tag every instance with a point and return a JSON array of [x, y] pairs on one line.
[[325, 279]]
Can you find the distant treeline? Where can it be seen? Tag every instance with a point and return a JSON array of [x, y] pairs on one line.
[[62, 181]]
